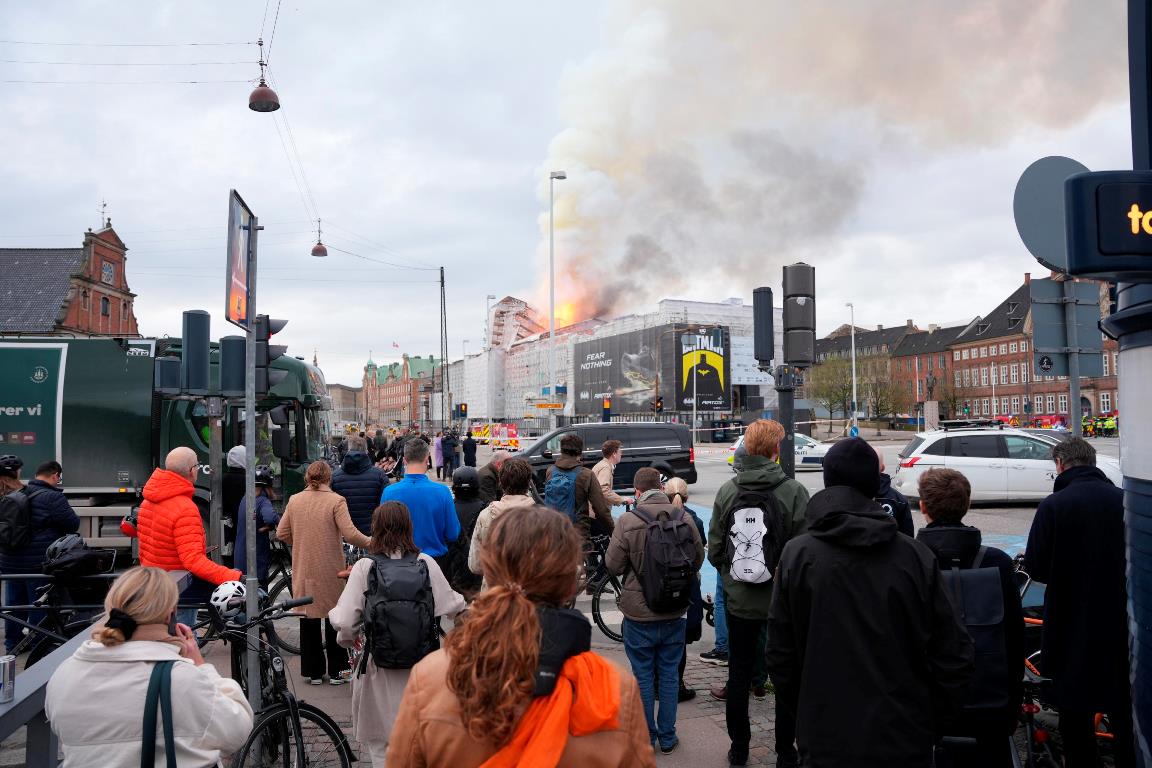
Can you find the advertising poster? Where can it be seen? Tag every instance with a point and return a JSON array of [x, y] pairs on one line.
[[237, 274], [624, 368], [31, 394], [704, 368]]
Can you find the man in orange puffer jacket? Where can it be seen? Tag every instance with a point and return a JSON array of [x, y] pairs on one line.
[[172, 533]]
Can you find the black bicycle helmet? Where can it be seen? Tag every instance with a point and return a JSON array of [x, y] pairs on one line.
[[63, 546], [465, 479], [10, 464], [264, 476]]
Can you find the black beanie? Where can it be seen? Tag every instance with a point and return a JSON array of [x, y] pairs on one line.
[[854, 463]]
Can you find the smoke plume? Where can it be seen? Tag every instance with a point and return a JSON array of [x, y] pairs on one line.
[[710, 143]]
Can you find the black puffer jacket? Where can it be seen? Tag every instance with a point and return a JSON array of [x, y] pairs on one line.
[[894, 503], [52, 517], [862, 641], [1076, 547], [361, 484], [961, 543]]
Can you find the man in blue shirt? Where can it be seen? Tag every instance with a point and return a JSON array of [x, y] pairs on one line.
[[430, 504]]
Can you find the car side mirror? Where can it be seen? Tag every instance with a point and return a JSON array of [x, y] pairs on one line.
[[282, 443], [547, 454]]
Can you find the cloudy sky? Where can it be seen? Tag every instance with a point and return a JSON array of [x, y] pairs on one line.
[[706, 144]]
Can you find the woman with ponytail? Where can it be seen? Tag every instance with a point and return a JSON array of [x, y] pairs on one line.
[[95, 700], [517, 683]]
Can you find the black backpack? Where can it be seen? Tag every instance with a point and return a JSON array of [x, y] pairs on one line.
[[399, 613], [669, 561], [754, 534], [977, 596], [16, 519]]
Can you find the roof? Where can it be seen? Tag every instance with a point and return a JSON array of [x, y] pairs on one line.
[[927, 342], [1006, 320], [884, 337], [34, 285], [421, 367]]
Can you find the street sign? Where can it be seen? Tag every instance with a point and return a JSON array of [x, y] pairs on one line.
[[1038, 207], [552, 406], [238, 283], [1050, 334], [1109, 226]]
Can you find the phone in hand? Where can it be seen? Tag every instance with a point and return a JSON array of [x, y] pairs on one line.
[[172, 625]]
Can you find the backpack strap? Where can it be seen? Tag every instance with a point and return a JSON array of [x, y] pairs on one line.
[[979, 557], [159, 696]]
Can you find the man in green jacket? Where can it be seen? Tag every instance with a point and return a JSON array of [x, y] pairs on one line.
[[746, 603]]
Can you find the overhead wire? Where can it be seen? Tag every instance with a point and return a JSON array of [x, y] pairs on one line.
[[125, 82], [272, 37], [122, 45], [128, 63]]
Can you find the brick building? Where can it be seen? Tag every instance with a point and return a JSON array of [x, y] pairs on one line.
[[68, 291], [398, 394], [922, 354]]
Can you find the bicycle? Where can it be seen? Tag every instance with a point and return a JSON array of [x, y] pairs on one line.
[[280, 591], [606, 588], [288, 731], [63, 618]]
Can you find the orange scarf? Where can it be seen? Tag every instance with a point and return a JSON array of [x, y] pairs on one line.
[[586, 700]]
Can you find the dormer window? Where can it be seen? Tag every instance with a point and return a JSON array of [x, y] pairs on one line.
[[1014, 321], [1013, 306], [982, 328]]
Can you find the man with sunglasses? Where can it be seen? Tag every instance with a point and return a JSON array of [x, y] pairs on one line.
[[172, 531]]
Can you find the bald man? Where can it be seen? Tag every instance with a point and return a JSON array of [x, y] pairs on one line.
[[172, 533]]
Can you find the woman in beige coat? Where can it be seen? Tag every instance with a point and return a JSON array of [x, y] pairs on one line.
[[314, 522], [377, 693]]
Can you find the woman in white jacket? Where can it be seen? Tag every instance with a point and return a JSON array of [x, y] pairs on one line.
[[377, 693], [95, 700]]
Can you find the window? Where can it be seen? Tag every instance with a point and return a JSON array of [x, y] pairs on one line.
[[1026, 448], [967, 378], [105, 306], [1004, 374], [983, 351], [929, 360], [84, 299], [1015, 372], [1051, 401], [1015, 405], [919, 389], [1105, 402], [1115, 363], [1038, 404], [956, 354], [1106, 355], [956, 378], [1003, 349], [1012, 346], [994, 413], [1023, 373], [992, 374], [1063, 403], [938, 448], [943, 361], [1023, 346], [1004, 407], [984, 407], [983, 377], [975, 446], [965, 354]]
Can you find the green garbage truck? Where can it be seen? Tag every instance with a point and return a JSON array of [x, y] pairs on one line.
[[93, 405]]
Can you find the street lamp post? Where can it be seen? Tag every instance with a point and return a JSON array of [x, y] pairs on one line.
[[853, 331], [552, 178], [464, 370]]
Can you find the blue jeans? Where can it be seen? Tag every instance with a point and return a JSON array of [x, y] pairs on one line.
[[20, 592], [720, 616], [654, 649]]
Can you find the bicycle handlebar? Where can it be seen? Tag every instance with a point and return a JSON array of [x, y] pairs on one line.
[[288, 605]]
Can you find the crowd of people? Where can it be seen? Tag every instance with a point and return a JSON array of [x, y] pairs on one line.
[[875, 643]]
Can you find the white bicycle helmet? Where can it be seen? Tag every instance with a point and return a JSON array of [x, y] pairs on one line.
[[228, 599]]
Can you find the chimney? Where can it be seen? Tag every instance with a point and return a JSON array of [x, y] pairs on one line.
[[908, 323], [879, 327], [1027, 278]]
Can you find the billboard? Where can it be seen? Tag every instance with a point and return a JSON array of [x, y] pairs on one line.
[[239, 269], [31, 412], [634, 368], [703, 369]]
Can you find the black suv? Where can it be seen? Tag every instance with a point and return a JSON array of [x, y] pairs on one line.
[[667, 447]]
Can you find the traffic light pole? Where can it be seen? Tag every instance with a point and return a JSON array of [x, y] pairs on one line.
[[252, 585], [785, 377]]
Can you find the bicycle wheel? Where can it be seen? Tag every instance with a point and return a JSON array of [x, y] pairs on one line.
[[286, 634], [205, 628], [273, 741], [606, 608], [45, 645]]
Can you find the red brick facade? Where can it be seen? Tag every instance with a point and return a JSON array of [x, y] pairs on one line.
[[99, 299]]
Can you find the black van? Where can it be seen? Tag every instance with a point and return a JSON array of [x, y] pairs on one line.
[[667, 447]]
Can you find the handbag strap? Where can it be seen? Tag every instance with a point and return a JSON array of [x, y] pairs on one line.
[[159, 696]]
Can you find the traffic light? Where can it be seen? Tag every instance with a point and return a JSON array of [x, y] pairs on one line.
[[763, 332], [266, 377], [659, 405], [463, 410], [232, 366], [967, 410], [607, 414], [194, 353], [799, 315]]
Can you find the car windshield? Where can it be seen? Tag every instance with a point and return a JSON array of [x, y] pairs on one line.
[[803, 441], [909, 449]]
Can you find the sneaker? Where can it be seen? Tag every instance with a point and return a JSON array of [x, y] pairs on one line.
[[337, 681], [719, 691], [667, 750], [316, 681], [715, 656], [759, 692], [737, 756], [686, 694]]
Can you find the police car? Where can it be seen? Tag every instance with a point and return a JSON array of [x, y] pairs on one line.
[[809, 453], [1001, 464]]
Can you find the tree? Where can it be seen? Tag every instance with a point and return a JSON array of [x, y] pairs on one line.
[[882, 396], [947, 395], [829, 385]]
